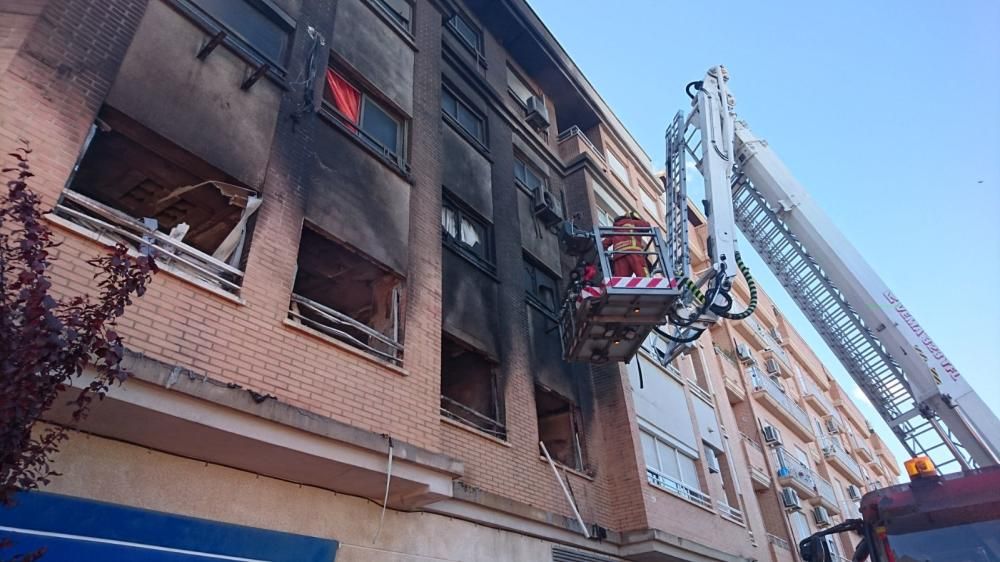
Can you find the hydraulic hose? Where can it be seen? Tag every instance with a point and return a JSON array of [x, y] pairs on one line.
[[753, 293]]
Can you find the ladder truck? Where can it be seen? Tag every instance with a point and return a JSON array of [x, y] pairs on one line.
[[920, 394]]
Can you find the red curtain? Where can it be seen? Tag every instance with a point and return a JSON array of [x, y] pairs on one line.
[[346, 98]]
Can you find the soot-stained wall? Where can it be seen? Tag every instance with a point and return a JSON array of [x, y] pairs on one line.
[[197, 104], [467, 172], [357, 198], [470, 304]]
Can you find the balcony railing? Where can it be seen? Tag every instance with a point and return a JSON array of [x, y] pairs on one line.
[[348, 330], [777, 393], [675, 487], [779, 542], [793, 469], [826, 492], [833, 450], [575, 133], [772, 344], [814, 393], [114, 226], [730, 512]]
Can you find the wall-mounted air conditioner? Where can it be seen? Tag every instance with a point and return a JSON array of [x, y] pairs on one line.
[[743, 352], [821, 515], [536, 113], [790, 499], [773, 368], [547, 208], [772, 436]]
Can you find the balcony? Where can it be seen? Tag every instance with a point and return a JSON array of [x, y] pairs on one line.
[[825, 496], [781, 551], [731, 375], [573, 142], [771, 345], [863, 452], [840, 459], [772, 397], [795, 474], [815, 397], [729, 512], [759, 475], [666, 483]]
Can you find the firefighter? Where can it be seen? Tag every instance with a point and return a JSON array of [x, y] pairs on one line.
[[627, 264]]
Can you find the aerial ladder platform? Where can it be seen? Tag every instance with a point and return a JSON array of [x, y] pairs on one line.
[[920, 394]]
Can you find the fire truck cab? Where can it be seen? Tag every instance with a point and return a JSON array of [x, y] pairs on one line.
[[933, 518]]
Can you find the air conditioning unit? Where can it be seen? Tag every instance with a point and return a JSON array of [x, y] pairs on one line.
[[536, 113], [821, 516], [832, 426], [547, 207], [772, 436], [776, 335], [743, 352], [853, 492], [790, 499], [773, 368]]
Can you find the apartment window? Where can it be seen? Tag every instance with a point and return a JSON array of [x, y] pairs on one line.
[[559, 427], [617, 167], [541, 286], [518, 88], [604, 217], [800, 525], [528, 177], [347, 296], [135, 188], [365, 117], [649, 203], [399, 11], [469, 392], [464, 231], [468, 32], [671, 468], [462, 114], [255, 24]]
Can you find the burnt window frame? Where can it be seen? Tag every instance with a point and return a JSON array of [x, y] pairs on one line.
[[461, 211], [397, 19], [399, 159], [462, 103], [528, 168], [477, 47], [532, 269], [233, 39], [497, 395], [576, 424]]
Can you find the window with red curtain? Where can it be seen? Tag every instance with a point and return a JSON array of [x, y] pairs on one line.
[[345, 97]]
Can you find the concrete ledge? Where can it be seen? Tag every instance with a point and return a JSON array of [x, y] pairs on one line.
[[171, 409], [654, 545]]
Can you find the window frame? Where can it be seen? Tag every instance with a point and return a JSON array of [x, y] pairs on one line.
[[394, 17], [533, 299], [478, 48], [678, 452], [511, 72], [464, 212], [397, 157], [612, 157], [236, 41], [455, 121], [529, 169], [576, 428]]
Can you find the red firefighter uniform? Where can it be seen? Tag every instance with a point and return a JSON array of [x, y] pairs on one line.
[[626, 265]]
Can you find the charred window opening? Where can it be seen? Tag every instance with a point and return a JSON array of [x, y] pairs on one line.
[[133, 187], [256, 27], [469, 391], [344, 295], [559, 427], [466, 233], [541, 286]]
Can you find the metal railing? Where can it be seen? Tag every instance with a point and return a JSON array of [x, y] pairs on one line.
[[118, 227], [678, 488], [778, 542], [336, 324], [825, 490], [817, 393], [789, 466], [833, 448], [575, 131], [472, 417], [730, 512], [762, 382]]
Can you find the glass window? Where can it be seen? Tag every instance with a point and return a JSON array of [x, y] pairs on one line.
[[256, 25], [465, 231], [517, 87], [468, 33], [649, 203], [466, 117], [688, 471], [649, 450], [401, 11], [800, 525], [541, 286], [527, 176], [364, 117], [668, 456], [617, 167]]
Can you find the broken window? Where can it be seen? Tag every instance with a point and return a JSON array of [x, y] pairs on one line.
[[542, 287], [363, 116], [254, 25], [469, 391], [465, 232], [399, 11], [133, 187], [559, 427], [342, 294]]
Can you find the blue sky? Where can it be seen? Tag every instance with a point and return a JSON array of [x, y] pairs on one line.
[[887, 112]]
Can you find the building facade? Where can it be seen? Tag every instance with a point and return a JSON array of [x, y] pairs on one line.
[[352, 349]]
